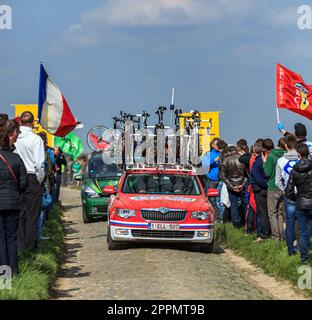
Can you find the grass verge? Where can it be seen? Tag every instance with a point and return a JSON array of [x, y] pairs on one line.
[[270, 255], [38, 270]]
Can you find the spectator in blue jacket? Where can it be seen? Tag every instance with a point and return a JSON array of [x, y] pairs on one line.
[[211, 161], [259, 186]]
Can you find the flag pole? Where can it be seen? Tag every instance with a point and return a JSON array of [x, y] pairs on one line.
[[277, 115], [277, 110]]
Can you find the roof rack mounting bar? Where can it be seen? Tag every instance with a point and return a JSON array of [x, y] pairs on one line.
[[163, 166]]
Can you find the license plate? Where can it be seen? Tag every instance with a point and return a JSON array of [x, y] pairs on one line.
[[164, 226]]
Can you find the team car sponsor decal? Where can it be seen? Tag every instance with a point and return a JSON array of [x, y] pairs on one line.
[[129, 224], [164, 198]]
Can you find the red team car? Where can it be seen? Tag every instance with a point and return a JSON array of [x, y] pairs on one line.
[[159, 204]]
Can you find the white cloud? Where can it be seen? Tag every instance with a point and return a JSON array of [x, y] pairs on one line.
[[75, 28], [283, 17], [109, 21], [81, 37], [150, 12], [164, 12], [94, 26]]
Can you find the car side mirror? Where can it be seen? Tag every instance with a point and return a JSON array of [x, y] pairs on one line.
[[213, 193], [110, 190]]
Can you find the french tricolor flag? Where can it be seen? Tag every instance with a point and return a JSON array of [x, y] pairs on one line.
[[54, 113]]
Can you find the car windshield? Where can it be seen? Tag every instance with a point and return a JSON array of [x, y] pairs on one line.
[[99, 169], [161, 184]]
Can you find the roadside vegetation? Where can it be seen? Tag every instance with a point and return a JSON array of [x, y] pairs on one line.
[[38, 271], [270, 255]]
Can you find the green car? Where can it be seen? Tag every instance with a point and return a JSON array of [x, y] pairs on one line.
[[96, 176]]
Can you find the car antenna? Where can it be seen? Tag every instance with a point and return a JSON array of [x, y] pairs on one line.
[[172, 107]]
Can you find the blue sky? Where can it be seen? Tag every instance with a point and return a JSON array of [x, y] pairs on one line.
[[108, 55]]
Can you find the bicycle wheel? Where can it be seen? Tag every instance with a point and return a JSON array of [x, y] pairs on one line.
[[99, 138]]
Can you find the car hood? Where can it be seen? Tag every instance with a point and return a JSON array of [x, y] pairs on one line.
[[103, 182], [139, 201]]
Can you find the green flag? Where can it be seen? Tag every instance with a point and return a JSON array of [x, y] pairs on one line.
[[70, 144]]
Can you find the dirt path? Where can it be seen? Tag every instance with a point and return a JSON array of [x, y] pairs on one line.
[[90, 271]]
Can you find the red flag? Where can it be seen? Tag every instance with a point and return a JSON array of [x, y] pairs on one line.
[[99, 142], [292, 93]]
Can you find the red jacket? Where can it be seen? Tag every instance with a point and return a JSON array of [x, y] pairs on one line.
[[252, 200]]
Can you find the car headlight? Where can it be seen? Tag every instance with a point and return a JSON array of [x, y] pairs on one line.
[[200, 215], [90, 193], [125, 213]]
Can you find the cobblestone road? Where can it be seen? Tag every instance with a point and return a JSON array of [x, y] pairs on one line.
[[90, 271]]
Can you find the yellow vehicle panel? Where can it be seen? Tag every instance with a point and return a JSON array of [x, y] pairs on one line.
[[205, 139], [33, 108]]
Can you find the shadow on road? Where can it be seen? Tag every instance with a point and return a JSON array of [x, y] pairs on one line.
[[69, 229], [71, 251], [73, 272], [68, 208], [171, 246], [98, 236], [56, 294]]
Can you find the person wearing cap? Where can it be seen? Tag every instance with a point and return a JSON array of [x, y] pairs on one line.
[[300, 131]]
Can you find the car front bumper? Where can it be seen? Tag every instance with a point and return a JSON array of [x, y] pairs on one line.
[[123, 232], [95, 207]]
